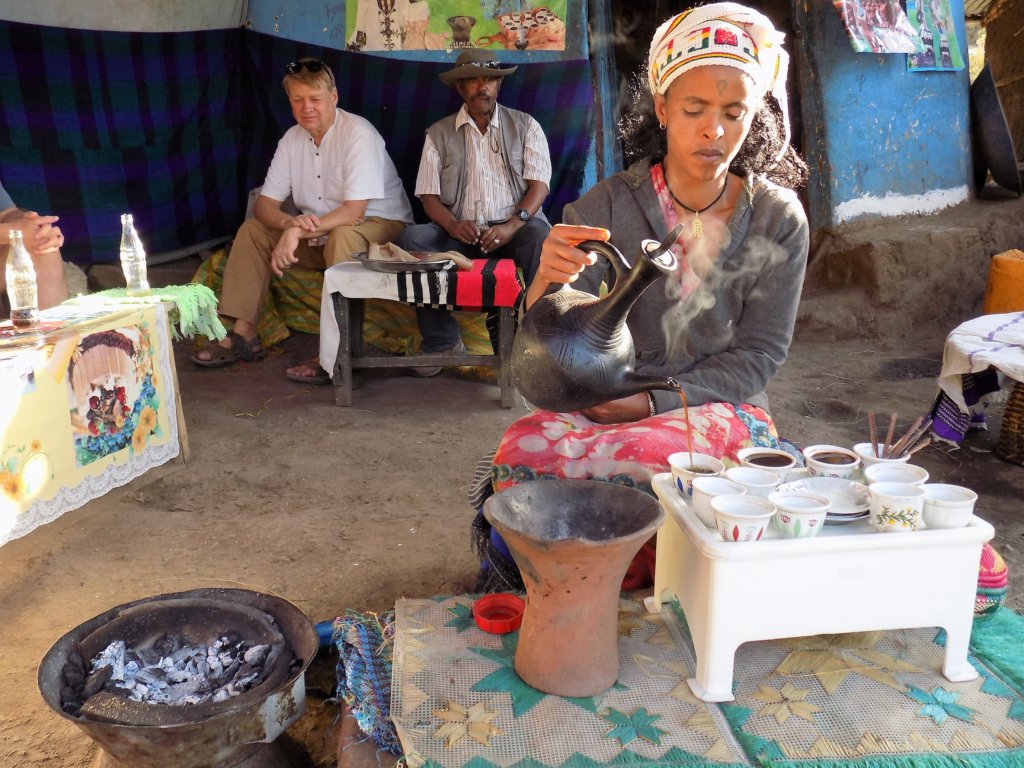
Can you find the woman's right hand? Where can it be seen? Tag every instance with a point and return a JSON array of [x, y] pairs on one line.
[[560, 260]]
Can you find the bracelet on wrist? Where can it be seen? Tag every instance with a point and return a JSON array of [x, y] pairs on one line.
[[651, 403]]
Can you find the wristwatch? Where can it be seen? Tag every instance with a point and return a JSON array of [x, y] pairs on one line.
[[522, 214]]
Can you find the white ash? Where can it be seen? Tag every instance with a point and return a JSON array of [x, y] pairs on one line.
[[173, 672]]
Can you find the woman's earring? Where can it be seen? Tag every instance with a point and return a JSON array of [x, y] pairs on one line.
[[662, 126]]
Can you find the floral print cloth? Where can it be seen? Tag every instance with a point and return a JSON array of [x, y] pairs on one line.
[[571, 446]]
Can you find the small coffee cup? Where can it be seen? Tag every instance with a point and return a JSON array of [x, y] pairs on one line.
[[686, 466], [830, 461], [758, 482], [947, 506], [772, 459], [705, 489], [742, 518], [799, 515], [895, 507], [867, 456], [896, 473]]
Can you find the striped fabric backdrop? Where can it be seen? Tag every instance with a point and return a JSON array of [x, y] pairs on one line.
[[178, 127]]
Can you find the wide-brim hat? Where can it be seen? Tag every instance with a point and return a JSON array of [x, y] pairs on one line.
[[476, 62]]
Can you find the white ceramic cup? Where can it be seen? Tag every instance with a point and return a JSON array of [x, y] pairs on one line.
[[799, 515], [896, 473], [705, 489], [758, 482], [772, 459], [947, 506], [895, 507], [742, 518], [682, 464], [830, 461], [867, 456]]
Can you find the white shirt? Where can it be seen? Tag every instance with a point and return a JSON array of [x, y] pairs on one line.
[[351, 163], [488, 179]]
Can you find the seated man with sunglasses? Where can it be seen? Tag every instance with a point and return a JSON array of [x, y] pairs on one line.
[[485, 156], [335, 167]]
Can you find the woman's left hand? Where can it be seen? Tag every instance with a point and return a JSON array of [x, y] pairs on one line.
[[626, 409]]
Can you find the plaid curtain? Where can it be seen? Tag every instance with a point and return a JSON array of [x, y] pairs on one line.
[[178, 127]]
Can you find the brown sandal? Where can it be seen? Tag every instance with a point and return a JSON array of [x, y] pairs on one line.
[[318, 375], [240, 349]]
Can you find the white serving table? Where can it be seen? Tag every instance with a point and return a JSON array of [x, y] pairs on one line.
[[849, 578]]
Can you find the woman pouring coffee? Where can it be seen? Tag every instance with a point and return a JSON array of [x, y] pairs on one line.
[[712, 138]]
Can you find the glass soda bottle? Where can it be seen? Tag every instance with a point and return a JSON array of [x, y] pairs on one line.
[[21, 283], [133, 258]]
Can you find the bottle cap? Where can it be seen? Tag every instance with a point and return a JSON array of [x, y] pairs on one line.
[[500, 613]]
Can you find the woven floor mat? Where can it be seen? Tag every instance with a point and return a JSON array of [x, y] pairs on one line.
[[873, 699]]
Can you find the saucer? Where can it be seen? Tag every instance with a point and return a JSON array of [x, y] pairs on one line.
[[849, 499], [831, 519]]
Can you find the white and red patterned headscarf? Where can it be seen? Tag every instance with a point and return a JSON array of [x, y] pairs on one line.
[[727, 34]]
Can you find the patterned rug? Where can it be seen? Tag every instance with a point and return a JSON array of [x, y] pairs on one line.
[[859, 700]]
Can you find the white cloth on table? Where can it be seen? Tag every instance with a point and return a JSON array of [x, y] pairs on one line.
[[995, 341], [353, 280]]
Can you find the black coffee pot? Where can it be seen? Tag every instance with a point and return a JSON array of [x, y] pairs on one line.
[[574, 350]]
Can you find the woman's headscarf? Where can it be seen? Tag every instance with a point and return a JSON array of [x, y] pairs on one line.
[[727, 34]]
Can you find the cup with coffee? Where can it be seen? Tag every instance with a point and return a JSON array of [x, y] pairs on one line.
[[830, 461], [773, 459], [686, 466]]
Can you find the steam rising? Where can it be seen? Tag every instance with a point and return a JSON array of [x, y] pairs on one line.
[[716, 274]]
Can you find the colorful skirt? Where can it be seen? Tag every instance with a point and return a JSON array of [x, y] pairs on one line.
[[571, 446]]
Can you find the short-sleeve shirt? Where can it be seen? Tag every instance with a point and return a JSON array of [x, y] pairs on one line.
[[489, 181], [351, 163], [5, 199]]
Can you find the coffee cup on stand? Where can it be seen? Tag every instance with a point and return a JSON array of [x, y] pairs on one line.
[[686, 466], [830, 461], [896, 507], [758, 482], [772, 459]]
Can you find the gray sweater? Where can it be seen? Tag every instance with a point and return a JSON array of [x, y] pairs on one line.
[[726, 340]]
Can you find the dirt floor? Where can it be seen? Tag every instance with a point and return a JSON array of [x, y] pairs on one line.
[[350, 508]]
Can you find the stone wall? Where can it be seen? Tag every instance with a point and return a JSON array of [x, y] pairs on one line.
[[915, 276]]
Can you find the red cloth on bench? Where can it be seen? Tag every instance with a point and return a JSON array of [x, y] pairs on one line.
[[491, 283]]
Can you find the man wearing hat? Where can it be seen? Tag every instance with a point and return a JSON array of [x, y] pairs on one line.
[[485, 156]]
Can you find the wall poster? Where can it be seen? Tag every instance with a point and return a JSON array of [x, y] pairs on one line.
[[438, 25], [878, 26], [934, 24]]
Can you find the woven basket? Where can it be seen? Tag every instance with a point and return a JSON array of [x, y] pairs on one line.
[[1010, 445]]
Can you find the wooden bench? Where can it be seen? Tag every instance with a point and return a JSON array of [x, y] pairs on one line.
[[492, 284]]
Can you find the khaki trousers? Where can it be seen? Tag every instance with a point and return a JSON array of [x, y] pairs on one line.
[[247, 273]]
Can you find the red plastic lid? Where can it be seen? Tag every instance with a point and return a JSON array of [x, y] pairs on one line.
[[499, 614]]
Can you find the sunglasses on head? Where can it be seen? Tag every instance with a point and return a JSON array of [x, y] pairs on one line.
[[313, 65]]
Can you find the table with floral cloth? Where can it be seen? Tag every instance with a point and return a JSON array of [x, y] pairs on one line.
[[88, 402]]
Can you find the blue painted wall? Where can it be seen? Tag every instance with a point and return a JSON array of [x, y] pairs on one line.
[[880, 140]]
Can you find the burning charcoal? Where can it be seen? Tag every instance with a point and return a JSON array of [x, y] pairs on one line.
[[152, 676], [178, 692], [165, 645], [113, 656], [69, 700], [148, 656], [74, 673], [257, 654], [95, 682]]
